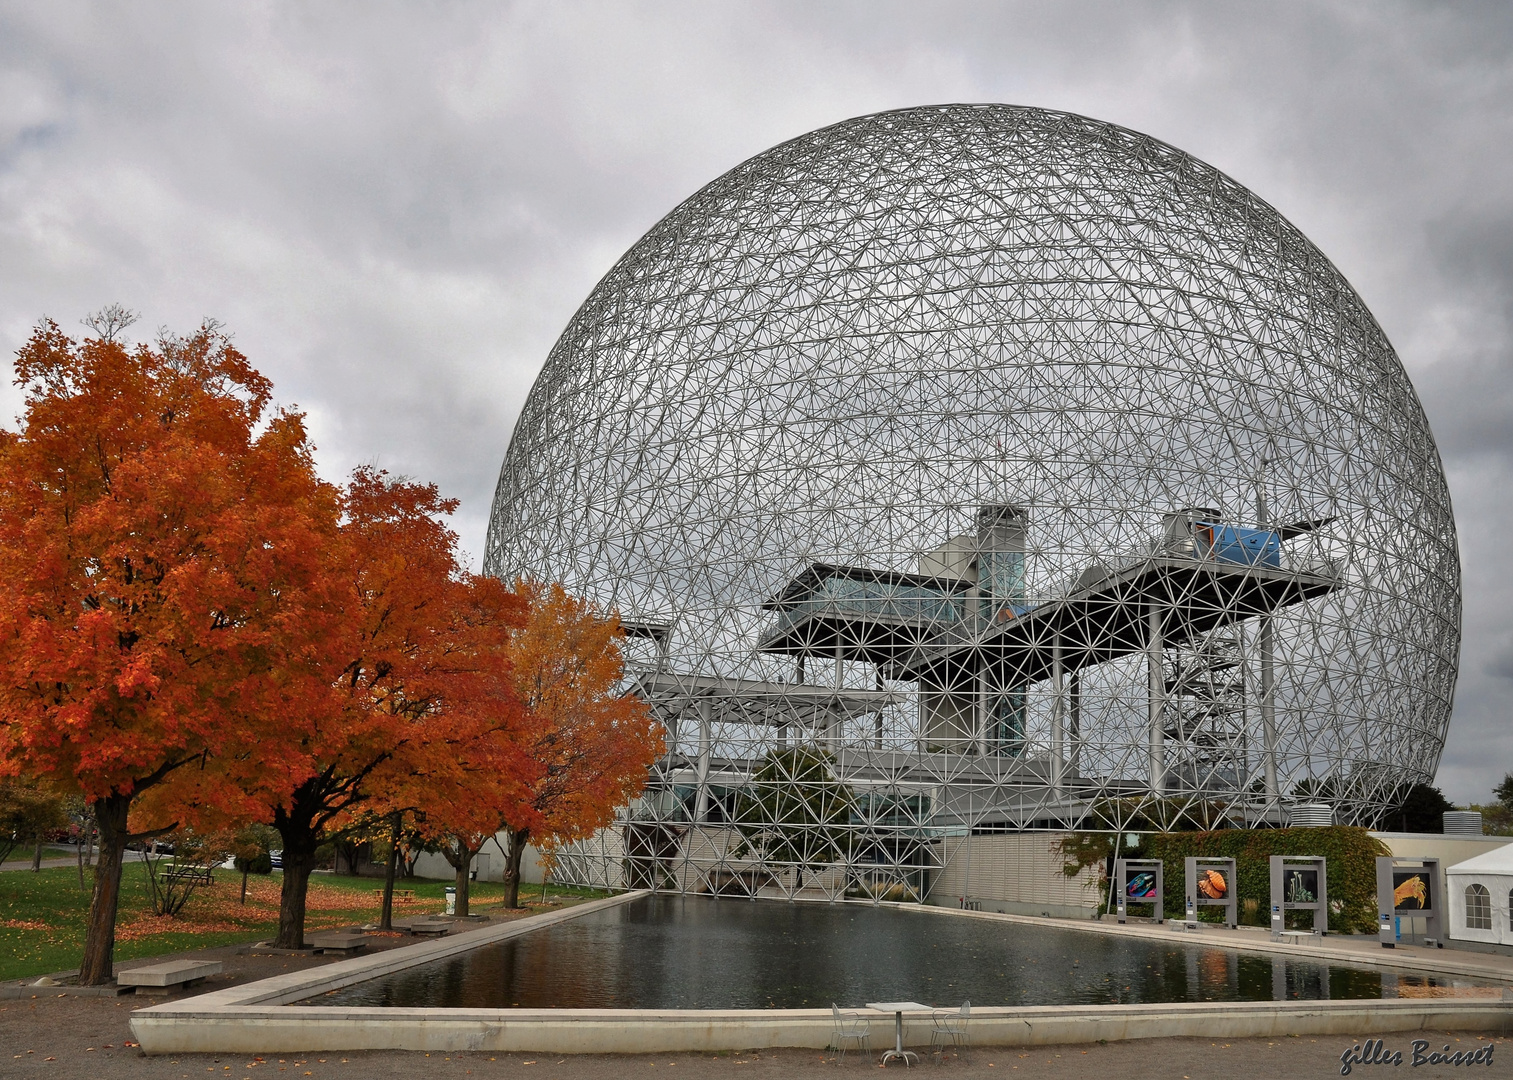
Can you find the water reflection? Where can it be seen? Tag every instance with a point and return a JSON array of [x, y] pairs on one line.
[[671, 952]]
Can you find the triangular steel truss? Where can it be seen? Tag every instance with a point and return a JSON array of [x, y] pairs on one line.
[[980, 468]]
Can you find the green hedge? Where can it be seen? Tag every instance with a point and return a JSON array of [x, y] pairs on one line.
[[1350, 855]]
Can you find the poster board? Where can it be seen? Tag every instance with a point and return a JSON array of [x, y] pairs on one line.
[[1139, 881], [1212, 883], [1299, 883], [1411, 888]]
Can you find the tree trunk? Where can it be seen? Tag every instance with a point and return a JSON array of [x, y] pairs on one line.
[[98, 964], [244, 887], [463, 864], [37, 854], [518, 839], [391, 864], [291, 906], [300, 841]]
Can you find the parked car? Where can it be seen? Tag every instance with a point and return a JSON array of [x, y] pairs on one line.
[[277, 858]]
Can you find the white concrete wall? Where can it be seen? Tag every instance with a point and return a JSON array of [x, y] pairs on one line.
[[1448, 849], [596, 863], [1018, 873], [489, 863]]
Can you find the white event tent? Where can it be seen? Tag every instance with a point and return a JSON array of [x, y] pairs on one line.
[[1481, 897]]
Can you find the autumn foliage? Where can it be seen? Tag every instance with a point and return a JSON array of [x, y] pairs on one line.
[[160, 531], [415, 694], [590, 745], [196, 631]]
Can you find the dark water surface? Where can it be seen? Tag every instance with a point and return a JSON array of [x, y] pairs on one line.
[[672, 952]]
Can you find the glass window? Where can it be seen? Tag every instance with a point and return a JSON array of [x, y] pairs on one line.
[[1478, 908], [1006, 729], [847, 596]]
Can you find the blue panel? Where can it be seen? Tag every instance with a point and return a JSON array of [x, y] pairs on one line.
[[1246, 547]]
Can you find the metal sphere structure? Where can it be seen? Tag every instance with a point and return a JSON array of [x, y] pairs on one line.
[[981, 468]]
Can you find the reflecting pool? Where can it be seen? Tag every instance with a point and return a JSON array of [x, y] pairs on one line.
[[689, 952]]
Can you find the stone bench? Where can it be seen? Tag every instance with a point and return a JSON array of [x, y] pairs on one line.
[[339, 941], [425, 927], [167, 977]]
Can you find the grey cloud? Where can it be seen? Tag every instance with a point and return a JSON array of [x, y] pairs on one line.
[[1500, 665]]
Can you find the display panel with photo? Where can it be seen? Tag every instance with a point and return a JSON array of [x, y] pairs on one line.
[[1141, 887], [1213, 884], [1301, 886], [1411, 891]]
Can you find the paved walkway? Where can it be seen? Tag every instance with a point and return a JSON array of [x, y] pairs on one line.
[[67, 860]]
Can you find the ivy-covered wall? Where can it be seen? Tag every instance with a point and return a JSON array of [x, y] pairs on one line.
[[1350, 855]]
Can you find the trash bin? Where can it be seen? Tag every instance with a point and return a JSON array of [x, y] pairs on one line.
[[451, 899]]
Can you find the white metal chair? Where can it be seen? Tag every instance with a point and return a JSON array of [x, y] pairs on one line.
[[949, 1027], [852, 1028]]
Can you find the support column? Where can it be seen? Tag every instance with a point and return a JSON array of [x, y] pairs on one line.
[[1058, 718], [1269, 712], [1268, 675], [837, 711], [980, 714], [1157, 690], [1074, 728], [701, 800]]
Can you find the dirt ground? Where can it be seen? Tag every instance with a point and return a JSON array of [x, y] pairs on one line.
[[88, 1038]]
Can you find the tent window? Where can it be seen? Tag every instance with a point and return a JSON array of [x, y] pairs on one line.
[[1478, 908], [1510, 909]]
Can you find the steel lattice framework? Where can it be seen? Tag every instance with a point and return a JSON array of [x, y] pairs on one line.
[[978, 468]]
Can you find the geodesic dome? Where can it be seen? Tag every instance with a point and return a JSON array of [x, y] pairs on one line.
[[1012, 469]]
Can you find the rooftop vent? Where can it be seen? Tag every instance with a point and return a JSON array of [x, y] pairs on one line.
[[1462, 823], [1311, 816]]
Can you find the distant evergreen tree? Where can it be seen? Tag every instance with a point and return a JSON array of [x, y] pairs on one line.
[[1422, 810], [1504, 790], [794, 811]]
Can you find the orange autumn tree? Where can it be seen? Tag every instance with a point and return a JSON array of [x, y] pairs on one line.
[[160, 531], [415, 674], [590, 744], [462, 806], [462, 825], [493, 773]]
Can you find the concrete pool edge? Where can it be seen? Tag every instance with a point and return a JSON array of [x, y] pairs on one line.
[[255, 1018], [189, 1028]]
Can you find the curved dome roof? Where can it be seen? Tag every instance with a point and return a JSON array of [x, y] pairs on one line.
[[845, 347]]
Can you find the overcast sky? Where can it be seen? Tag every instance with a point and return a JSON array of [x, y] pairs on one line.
[[396, 207]]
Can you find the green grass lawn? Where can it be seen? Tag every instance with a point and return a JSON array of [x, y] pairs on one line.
[[23, 853], [42, 914]]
